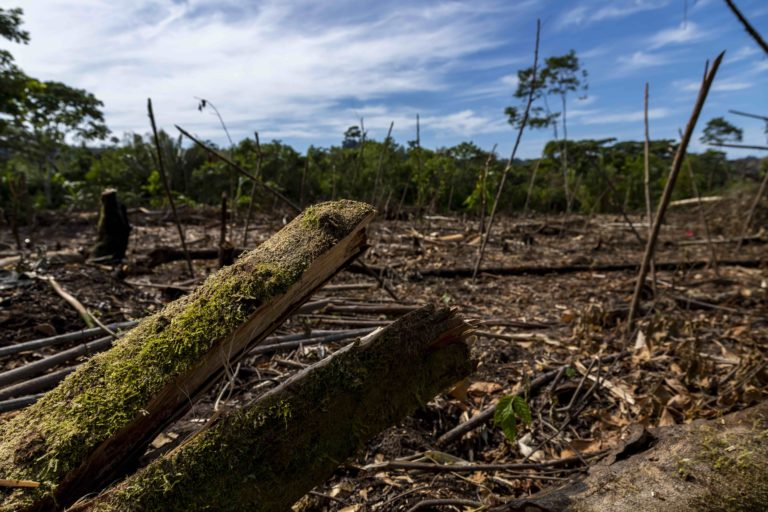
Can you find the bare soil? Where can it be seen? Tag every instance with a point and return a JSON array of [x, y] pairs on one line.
[[700, 350]]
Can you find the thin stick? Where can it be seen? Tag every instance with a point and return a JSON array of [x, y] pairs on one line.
[[87, 316], [380, 169], [239, 169], [753, 209], [531, 185], [702, 218], [647, 180], [470, 467], [523, 122], [622, 210], [747, 114], [738, 146], [748, 26], [533, 388], [62, 338], [418, 157], [483, 186], [41, 365], [223, 249], [167, 187], [37, 384], [361, 153], [667, 194], [302, 187], [233, 191], [253, 190], [431, 503], [19, 483], [380, 280]]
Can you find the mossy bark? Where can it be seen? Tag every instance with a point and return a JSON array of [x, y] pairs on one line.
[[113, 229], [268, 454], [80, 436], [708, 466]]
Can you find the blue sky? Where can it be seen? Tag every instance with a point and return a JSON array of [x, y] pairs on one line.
[[303, 71]]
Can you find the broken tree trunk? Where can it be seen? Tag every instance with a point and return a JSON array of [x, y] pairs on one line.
[[113, 229], [266, 455], [712, 465], [89, 430]]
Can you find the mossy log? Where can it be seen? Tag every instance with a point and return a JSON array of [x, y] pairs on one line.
[[707, 466], [113, 229], [87, 432], [266, 455]]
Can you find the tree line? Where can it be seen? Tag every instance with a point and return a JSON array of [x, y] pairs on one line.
[[54, 153]]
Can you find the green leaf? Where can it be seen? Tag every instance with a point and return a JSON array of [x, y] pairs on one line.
[[509, 411], [522, 411]]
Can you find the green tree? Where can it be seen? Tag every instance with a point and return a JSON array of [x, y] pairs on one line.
[[560, 76], [41, 115], [12, 80], [718, 131]]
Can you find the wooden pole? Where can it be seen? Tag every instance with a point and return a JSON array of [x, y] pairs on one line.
[[167, 187], [510, 162], [239, 169], [253, 191], [647, 179], [667, 194]]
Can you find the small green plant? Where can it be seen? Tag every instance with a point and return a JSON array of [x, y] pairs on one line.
[[511, 411]]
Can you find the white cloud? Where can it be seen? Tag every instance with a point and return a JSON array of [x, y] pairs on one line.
[[640, 59], [718, 86], [511, 81], [575, 16], [624, 117], [590, 13], [278, 62], [743, 53], [465, 123], [504, 86], [688, 32]]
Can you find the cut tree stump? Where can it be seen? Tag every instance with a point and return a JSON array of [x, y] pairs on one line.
[[714, 465], [113, 230], [92, 428], [268, 454]]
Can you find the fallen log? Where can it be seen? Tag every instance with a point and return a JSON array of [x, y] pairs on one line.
[[458, 272], [266, 455], [711, 465], [94, 426]]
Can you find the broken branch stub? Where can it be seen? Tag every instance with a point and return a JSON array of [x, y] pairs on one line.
[[91, 428], [266, 455]]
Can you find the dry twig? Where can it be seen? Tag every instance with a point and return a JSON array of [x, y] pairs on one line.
[[167, 187], [667, 194], [510, 162]]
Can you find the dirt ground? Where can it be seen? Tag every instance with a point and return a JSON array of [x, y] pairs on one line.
[[700, 350]]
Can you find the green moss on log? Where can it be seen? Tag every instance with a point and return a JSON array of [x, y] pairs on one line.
[[735, 466], [265, 456], [55, 436]]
